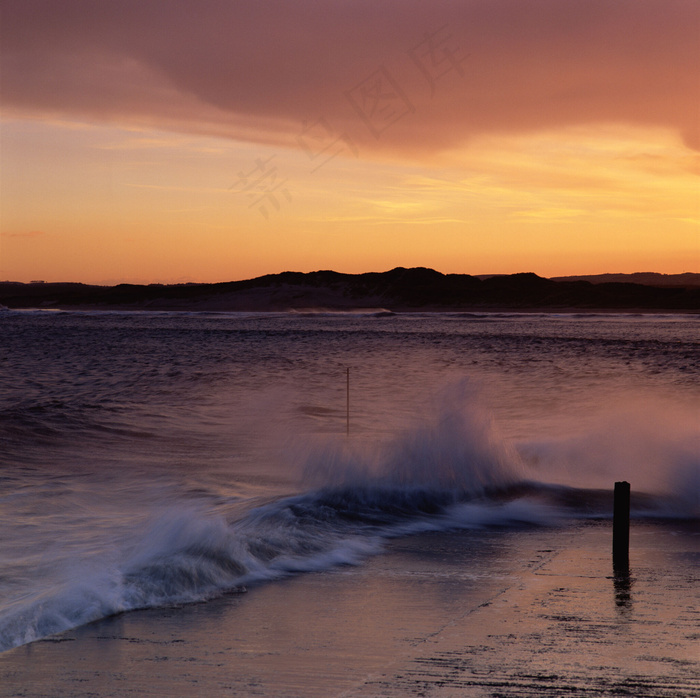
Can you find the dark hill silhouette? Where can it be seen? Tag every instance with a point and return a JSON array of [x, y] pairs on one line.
[[646, 278], [399, 289]]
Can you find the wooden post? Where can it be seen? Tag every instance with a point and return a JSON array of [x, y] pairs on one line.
[[347, 404], [621, 526]]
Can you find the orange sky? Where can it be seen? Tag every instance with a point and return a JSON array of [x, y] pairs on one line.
[[219, 140]]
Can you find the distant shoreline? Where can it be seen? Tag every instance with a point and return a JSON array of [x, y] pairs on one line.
[[310, 312], [399, 290]]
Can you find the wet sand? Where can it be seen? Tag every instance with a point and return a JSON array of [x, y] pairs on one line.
[[521, 613]]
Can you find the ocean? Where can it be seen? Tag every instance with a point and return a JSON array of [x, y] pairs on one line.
[[155, 459]]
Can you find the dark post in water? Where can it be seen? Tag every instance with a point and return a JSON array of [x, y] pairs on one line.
[[621, 525]]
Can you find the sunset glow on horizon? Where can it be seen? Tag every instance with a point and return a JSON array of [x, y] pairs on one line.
[[213, 141]]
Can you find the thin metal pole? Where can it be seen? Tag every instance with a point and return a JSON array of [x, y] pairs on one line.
[[347, 403]]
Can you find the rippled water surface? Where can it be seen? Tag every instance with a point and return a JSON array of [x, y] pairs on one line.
[[149, 458]]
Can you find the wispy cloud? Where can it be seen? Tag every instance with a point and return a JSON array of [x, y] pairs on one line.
[[551, 213], [149, 142], [171, 187], [25, 234]]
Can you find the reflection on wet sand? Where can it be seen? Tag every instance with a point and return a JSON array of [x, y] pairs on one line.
[[622, 584], [520, 613]]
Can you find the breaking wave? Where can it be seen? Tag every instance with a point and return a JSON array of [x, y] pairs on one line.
[[451, 470]]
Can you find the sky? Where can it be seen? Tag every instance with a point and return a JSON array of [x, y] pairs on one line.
[[173, 141]]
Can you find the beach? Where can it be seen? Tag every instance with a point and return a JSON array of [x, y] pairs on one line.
[[534, 612], [197, 504]]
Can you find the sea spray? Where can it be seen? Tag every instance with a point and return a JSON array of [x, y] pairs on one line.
[[642, 438], [457, 448], [454, 447], [435, 475]]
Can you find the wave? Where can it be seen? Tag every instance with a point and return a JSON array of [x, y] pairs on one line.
[[192, 555], [347, 312], [451, 471]]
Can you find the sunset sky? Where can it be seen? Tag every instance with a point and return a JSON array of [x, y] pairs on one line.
[[212, 140]]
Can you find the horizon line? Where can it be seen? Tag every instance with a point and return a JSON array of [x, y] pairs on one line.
[[115, 282]]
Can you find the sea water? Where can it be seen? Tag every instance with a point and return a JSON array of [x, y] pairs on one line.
[[151, 459]]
